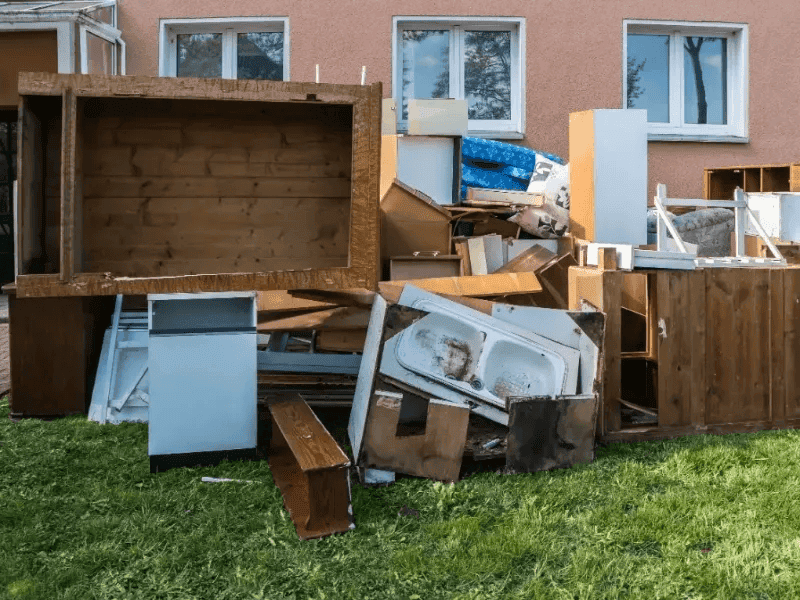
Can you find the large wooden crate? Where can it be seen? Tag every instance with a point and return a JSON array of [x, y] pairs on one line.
[[722, 341], [720, 182], [140, 185]]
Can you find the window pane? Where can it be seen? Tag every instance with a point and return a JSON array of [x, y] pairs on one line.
[[99, 55], [487, 74], [648, 75], [200, 55], [104, 15], [260, 56], [426, 65], [705, 80]]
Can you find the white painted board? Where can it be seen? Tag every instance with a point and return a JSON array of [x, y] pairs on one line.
[[426, 164], [620, 176]]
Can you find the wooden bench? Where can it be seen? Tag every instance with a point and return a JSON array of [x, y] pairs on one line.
[[309, 468]]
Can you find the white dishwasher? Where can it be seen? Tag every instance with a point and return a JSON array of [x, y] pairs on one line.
[[202, 364]]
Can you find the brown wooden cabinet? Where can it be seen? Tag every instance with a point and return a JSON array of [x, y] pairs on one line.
[[55, 345]]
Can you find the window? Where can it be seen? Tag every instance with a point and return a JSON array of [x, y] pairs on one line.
[[480, 60], [235, 48], [690, 77]]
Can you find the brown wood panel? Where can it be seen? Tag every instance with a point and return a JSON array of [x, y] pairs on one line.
[[581, 175], [612, 350], [780, 352], [69, 185], [737, 345], [189, 87], [310, 443], [54, 347], [680, 321], [24, 51]]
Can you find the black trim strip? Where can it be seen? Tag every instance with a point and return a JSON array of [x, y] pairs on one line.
[[202, 330], [164, 462]]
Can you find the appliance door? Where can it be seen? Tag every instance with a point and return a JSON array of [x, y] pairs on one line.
[[202, 392]]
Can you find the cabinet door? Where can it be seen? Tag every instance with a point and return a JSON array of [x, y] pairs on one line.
[[202, 393]]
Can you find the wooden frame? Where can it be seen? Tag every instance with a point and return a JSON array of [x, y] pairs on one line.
[[349, 115], [723, 342]]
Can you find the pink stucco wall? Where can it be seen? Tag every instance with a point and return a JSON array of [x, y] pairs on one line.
[[573, 58]]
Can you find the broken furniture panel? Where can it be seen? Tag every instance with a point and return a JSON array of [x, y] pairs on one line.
[[550, 269], [178, 185], [310, 469], [429, 164], [437, 116], [434, 451], [550, 433], [424, 265], [477, 286]]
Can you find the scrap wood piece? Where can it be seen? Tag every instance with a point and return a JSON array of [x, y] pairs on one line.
[[342, 340], [281, 301], [345, 317], [309, 468], [435, 454], [550, 433], [489, 197], [494, 284], [352, 297], [551, 270]]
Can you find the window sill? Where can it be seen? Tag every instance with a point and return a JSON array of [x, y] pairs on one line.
[[493, 135], [676, 137]]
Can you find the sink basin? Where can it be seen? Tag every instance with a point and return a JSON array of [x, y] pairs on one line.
[[484, 357]]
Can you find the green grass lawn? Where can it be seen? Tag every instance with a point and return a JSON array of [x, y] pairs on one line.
[[703, 517]]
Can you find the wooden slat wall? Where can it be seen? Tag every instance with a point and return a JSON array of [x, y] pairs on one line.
[[190, 187], [727, 349]]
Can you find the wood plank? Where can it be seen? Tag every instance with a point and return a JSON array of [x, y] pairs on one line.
[[69, 191], [345, 317], [204, 187], [737, 345], [187, 87], [474, 285], [611, 419], [310, 470], [790, 354], [86, 284], [310, 443], [698, 317], [342, 340], [677, 330], [781, 353]]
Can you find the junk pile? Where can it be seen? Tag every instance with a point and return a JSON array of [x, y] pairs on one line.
[[520, 314]]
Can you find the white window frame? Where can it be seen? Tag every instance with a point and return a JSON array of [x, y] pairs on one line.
[[229, 27], [512, 129], [736, 130]]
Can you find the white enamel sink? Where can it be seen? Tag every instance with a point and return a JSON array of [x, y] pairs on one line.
[[484, 357]]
